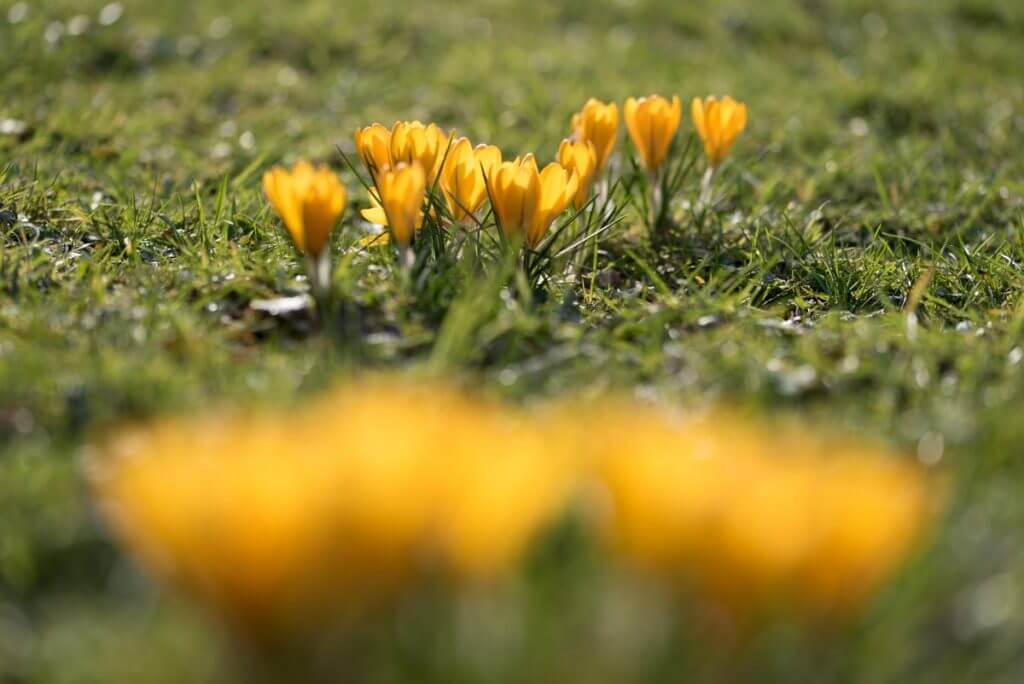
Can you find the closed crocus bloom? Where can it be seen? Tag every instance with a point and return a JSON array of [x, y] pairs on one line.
[[719, 123], [598, 124], [652, 123], [488, 158], [580, 158], [527, 200], [402, 191], [373, 144], [514, 188], [414, 143], [558, 187], [462, 178], [309, 201]]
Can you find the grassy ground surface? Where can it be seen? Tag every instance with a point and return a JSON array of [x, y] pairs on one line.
[[884, 145]]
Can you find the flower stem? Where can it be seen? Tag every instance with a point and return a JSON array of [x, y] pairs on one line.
[[656, 200], [319, 270], [704, 200]]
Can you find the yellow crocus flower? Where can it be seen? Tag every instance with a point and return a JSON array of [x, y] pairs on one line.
[[402, 191], [243, 511], [374, 239], [415, 143], [309, 201], [719, 123], [598, 124], [373, 143], [580, 158], [820, 526], [652, 123], [527, 200], [462, 178]]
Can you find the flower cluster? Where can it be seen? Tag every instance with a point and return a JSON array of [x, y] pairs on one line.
[[420, 175], [333, 507], [756, 516], [276, 520]]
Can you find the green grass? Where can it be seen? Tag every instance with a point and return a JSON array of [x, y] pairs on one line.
[[884, 145]]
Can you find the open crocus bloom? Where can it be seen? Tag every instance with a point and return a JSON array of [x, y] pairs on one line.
[[462, 178], [719, 123], [652, 123], [309, 201], [527, 200], [598, 124]]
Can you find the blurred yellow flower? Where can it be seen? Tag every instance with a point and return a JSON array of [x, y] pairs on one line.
[[462, 178], [652, 123], [598, 124], [220, 507], [581, 159], [402, 192], [414, 143], [309, 201], [719, 123], [286, 520], [755, 516], [283, 521], [527, 200]]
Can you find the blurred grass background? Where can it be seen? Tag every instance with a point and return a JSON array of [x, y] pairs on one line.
[[884, 144]]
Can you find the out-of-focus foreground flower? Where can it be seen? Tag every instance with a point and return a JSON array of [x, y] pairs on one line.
[[281, 519], [755, 516], [719, 123], [652, 123], [286, 520], [309, 201]]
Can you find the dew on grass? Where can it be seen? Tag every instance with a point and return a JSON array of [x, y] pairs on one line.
[[78, 25], [797, 381], [874, 25], [53, 33], [221, 150], [287, 77], [219, 28], [188, 45], [12, 127], [1015, 356], [17, 13], [930, 448], [859, 127], [707, 321], [988, 605], [110, 14]]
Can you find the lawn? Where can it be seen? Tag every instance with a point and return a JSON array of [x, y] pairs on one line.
[[862, 271]]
